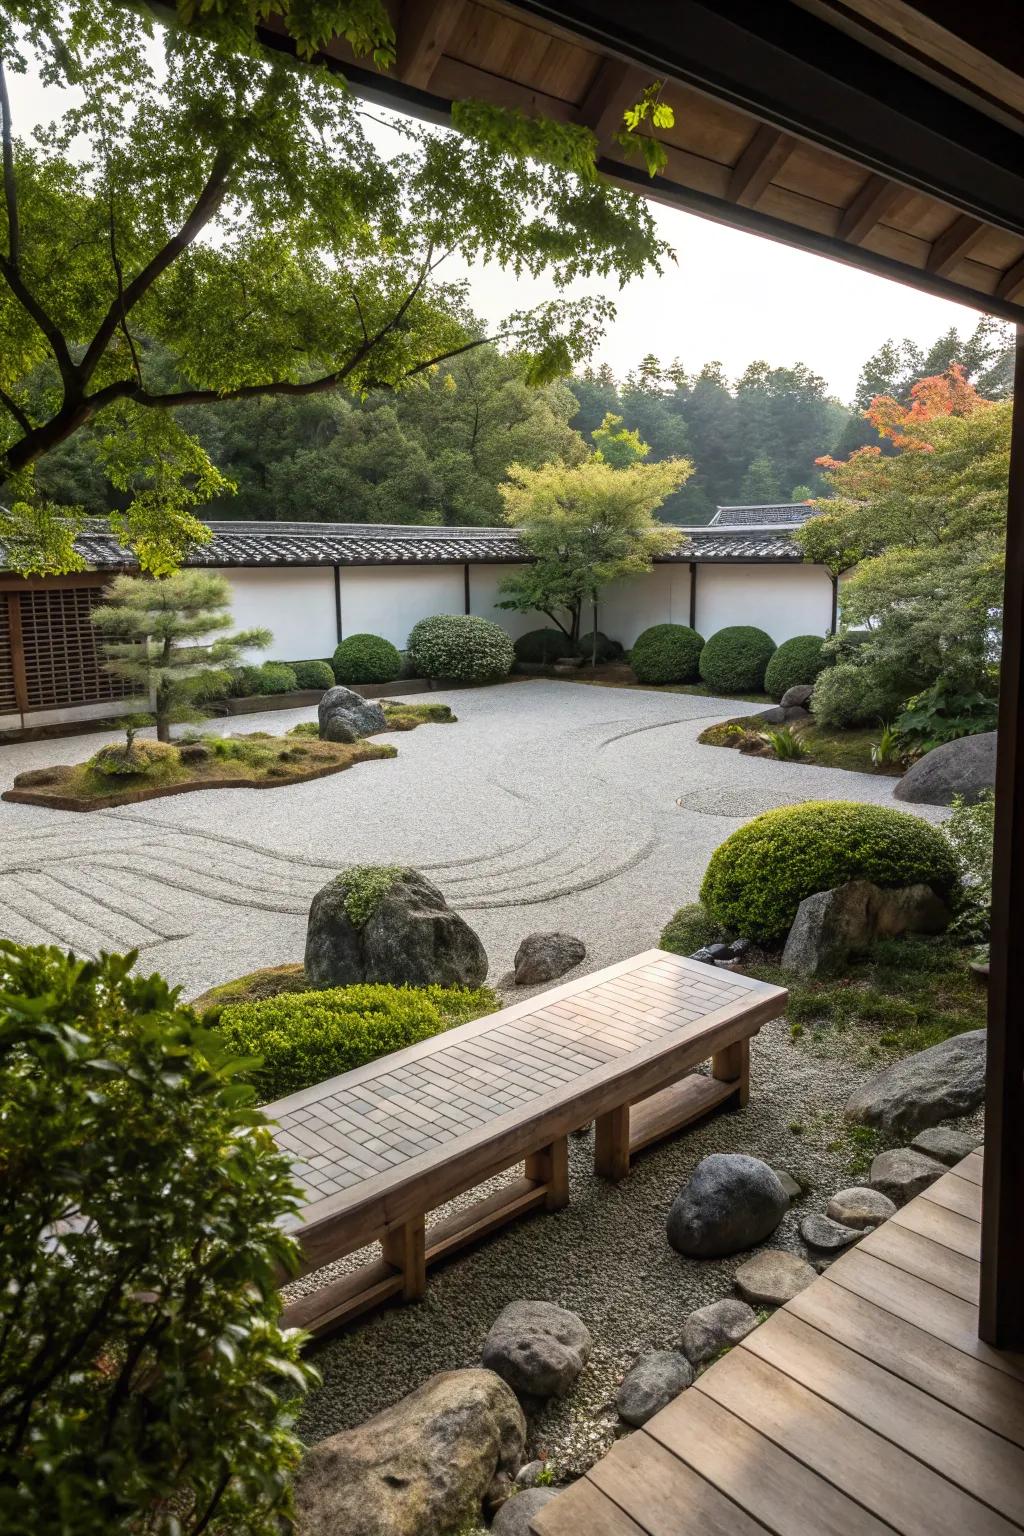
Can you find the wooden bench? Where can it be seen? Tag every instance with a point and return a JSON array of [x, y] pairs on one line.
[[378, 1148]]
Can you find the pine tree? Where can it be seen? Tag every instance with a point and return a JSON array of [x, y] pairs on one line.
[[166, 636]]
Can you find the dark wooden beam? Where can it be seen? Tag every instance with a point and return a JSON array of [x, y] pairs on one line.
[[954, 244], [758, 165], [615, 87], [1002, 1218], [424, 28], [877, 199], [1011, 284]]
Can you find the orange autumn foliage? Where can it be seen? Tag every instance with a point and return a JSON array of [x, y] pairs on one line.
[[942, 394]]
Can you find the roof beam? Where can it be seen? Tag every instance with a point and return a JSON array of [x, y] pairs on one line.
[[877, 199], [424, 28], [615, 87], [954, 244], [758, 165], [1011, 284]]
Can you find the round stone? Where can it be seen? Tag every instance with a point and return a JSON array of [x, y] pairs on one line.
[[716, 1327], [731, 1202], [772, 1278], [654, 1381], [538, 1348], [860, 1207], [829, 1236]]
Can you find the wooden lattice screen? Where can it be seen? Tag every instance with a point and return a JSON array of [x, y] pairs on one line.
[[8, 692], [63, 666]]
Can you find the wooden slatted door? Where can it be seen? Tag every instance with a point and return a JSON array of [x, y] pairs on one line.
[[8, 690], [49, 658]]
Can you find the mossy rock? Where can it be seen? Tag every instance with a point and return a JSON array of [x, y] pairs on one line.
[[252, 988]]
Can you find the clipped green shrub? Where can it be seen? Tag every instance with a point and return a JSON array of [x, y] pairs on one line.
[[796, 661], [607, 650], [148, 757], [270, 677], [313, 674], [146, 1381], [366, 659], [851, 694], [759, 876], [304, 1037], [690, 929], [541, 646], [667, 653], [461, 646], [736, 658]]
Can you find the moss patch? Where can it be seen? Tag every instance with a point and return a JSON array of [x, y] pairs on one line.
[[824, 747], [253, 988], [366, 886]]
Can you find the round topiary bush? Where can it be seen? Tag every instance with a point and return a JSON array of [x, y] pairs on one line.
[[313, 674], [796, 661], [542, 646], [607, 650], [735, 659], [461, 646], [851, 694], [759, 876], [142, 757], [271, 677], [667, 653], [366, 659]]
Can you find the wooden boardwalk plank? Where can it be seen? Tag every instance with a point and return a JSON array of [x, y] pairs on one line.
[[894, 1485], [934, 1262], [584, 1508], [960, 1233], [978, 1461], [974, 1389], [788, 1498], [971, 1168], [956, 1194], [660, 1493]]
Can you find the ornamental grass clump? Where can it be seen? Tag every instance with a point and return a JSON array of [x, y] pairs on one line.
[[735, 659], [758, 877], [667, 653], [461, 646], [146, 1385]]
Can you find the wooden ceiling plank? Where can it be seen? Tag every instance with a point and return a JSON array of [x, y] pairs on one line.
[[877, 199], [763, 157], [1011, 284], [424, 28], [615, 87], [957, 242]]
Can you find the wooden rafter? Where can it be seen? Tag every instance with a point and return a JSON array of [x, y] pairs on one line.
[[1011, 284], [877, 199], [758, 165], [954, 244], [424, 27], [615, 87]]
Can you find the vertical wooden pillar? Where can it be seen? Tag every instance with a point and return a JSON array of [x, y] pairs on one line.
[[337, 602], [693, 594], [466, 595], [405, 1248], [17, 653], [1001, 1321], [550, 1166], [611, 1143], [733, 1064]]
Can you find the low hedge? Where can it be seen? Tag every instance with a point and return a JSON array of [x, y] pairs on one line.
[[313, 674], [461, 646], [366, 659], [851, 694], [735, 659], [270, 677], [667, 653], [303, 1037], [796, 661], [759, 876]]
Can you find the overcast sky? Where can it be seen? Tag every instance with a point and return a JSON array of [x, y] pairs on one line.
[[730, 296]]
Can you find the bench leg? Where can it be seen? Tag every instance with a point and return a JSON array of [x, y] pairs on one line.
[[404, 1248], [733, 1065], [611, 1143], [550, 1166]]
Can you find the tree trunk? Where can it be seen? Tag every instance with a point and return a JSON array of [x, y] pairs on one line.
[[593, 637], [163, 728]]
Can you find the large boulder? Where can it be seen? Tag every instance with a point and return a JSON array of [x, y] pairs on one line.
[[731, 1202], [716, 1326], [965, 767], [543, 956], [389, 925], [538, 1348], [832, 925], [797, 697], [943, 1082], [650, 1386], [420, 1468], [347, 716]]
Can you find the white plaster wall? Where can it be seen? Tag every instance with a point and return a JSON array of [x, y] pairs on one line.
[[484, 584], [296, 603], [389, 599], [784, 600], [627, 608]]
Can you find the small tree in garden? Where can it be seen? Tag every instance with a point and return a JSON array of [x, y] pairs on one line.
[[585, 525], [146, 1386], [167, 636]]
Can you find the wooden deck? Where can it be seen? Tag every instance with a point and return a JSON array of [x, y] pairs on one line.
[[868, 1405]]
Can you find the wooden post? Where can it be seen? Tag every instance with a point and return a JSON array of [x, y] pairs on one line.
[[337, 603], [733, 1064], [550, 1166], [18, 654], [693, 594], [1001, 1317], [404, 1247], [611, 1144]]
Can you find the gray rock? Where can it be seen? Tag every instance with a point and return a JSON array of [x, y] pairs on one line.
[[947, 1146], [543, 956], [195, 752], [347, 716], [538, 1348], [795, 714], [776, 715], [714, 1327], [411, 937], [794, 1191], [860, 1207], [942, 1083], [827, 1234], [528, 1474], [419, 1468], [772, 1278], [731, 1202], [902, 1174], [513, 1518], [832, 925], [654, 1381], [966, 767], [798, 696]]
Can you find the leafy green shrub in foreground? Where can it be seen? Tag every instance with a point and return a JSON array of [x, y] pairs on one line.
[[366, 659], [541, 646], [759, 876], [667, 653], [851, 694], [304, 1037], [735, 658], [461, 646], [313, 674], [271, 677], [142, 1368], [796, 661]]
